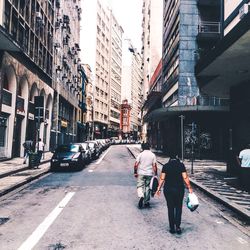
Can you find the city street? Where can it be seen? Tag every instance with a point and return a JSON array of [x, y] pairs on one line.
[[96, 208]]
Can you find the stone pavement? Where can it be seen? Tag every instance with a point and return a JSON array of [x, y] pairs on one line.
[[212, 178], [13, 173]]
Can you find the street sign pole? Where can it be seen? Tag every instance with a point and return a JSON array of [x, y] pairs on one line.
[[182, 136]]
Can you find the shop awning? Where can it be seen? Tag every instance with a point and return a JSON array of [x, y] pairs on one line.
[[163, 113]]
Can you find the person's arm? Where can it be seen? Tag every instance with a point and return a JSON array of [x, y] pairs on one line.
[[155, 168], [187, 182], [135, 169], [162, 179], [154, 165]]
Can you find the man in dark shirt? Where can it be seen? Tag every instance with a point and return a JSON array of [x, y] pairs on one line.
[[174, 175]]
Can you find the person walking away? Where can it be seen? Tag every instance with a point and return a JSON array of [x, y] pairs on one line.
[[144, 169], [173, 176], [28, 144], [244, 157], [40, 149]]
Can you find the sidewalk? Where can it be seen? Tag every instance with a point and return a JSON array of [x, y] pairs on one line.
[[211, 177], [13, 173]]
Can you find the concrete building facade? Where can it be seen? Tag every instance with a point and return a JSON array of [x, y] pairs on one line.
[[151, 51], [102, 51], [132, 86], [187, 117], [68, 104], [26, 59], [115, 76], [224, 72]]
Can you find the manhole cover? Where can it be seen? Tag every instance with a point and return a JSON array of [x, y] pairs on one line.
[[3, 220]]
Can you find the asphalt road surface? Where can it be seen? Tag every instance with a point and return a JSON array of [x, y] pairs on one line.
[[96, 208]]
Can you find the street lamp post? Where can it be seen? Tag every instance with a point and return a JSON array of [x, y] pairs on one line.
[[182, 136]]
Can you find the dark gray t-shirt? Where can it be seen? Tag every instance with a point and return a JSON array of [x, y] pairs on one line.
[[173, 170]]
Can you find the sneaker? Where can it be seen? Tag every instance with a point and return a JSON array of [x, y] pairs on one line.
[[178, 230], [147, 205], [140, 203], [172, 231]]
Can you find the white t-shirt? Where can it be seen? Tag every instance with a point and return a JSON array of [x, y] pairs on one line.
[[39, 146], [146, 159], [245, 158]]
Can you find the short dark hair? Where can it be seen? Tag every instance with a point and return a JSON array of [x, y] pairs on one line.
[[146, 146], [172, 154]]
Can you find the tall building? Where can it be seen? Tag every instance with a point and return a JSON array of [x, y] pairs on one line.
[[224, 72], [69, 78], [152, 11], [26, 61], [101, 49], [132, 86], [188, 118], [115, 76]]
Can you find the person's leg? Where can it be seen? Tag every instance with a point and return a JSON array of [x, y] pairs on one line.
[[179, 202], [140, 190], [170, 204], [147, 189], [25, 156]]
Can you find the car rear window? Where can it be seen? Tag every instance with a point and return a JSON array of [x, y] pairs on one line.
[[68, 148]]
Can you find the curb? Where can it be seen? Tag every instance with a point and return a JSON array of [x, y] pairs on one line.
[[20, 169], [243, 212], [27, 180]]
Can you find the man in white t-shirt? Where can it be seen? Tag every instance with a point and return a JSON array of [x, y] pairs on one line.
[[144, 169], [244, 157]]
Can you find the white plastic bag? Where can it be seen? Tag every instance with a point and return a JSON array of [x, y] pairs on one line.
[[192, 201]]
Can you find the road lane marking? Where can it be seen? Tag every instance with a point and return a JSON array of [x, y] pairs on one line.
[[43, 227], [242, 241], [98, 162]]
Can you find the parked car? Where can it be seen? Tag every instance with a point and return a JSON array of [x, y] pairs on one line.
[[69, 156], [95, 149], [87, 151]]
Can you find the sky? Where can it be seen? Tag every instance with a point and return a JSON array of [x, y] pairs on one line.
[[129, 15]]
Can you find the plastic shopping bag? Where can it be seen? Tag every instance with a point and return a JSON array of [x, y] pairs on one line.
[[192, 202]]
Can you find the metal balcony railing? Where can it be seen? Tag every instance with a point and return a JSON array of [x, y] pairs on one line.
[[6, 97], [212, 101], [209, 27]]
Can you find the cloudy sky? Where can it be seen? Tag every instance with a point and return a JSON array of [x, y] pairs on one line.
[[129, 15]]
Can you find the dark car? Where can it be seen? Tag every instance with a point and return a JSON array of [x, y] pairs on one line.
[[68, 157], [94, 147], [87, 151]]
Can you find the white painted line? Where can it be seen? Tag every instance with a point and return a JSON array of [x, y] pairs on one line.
[[98, 162], [242, 241], [43, 227]]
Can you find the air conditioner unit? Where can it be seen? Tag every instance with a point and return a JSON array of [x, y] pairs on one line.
[[243, 10]]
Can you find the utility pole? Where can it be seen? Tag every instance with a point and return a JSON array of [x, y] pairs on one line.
[[182, 136]]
